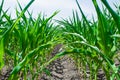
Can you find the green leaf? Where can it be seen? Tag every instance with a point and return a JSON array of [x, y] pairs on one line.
[[1, 53], [17, 20], [116, 16], [77, 35], [103, 35], [116, 36], [1, 7], [27, 59]]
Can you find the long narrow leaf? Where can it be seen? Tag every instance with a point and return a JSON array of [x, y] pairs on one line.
[[26, 60], [21, 14], [1, 53], [113, 13], [1, 7]]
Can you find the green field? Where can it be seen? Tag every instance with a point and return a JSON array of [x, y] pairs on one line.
[[26, 43]]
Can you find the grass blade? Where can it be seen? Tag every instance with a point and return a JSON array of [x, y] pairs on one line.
[[21, 14], [26, 60], [1, 7], [6, 34], [1, 53], [116, 17], [102, 30]]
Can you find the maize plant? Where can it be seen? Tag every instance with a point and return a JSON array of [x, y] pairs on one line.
[[26, 42], [93, 44]]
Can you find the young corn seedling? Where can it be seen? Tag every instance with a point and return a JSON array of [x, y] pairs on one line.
[[97, 48], [27, 42]]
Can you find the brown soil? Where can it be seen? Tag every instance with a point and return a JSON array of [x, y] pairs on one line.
[[62, 69]]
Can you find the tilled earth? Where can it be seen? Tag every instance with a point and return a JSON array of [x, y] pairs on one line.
[[62, 69], [65, 69]]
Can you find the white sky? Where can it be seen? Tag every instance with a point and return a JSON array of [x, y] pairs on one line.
[[49, 6]]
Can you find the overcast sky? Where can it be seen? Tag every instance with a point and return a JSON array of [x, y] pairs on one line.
[[49, 6]]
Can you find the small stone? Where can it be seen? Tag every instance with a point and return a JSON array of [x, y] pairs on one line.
[[57, 64], [59, 71], [58, 67], [57, 75], [65, 70]]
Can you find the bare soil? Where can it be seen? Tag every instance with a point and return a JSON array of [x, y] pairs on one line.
[[62, 69]]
